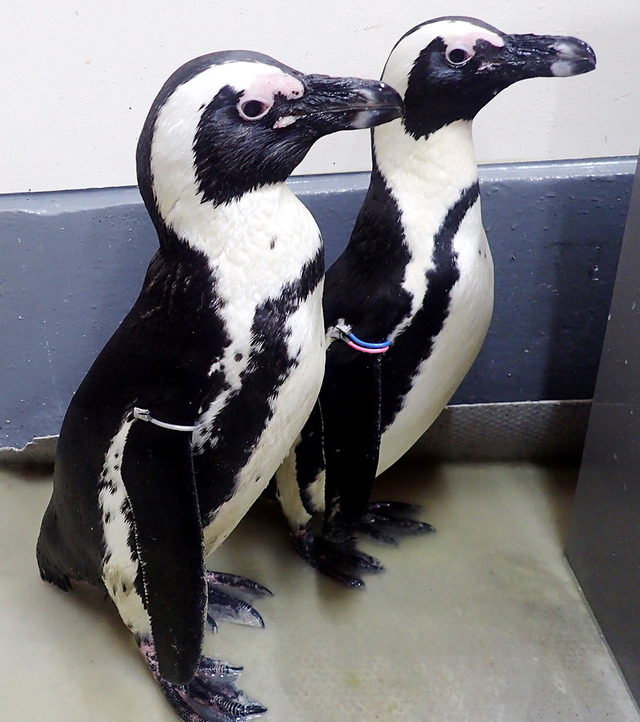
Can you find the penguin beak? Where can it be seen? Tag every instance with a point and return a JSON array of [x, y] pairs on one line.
[[535, 56], [332, 104]]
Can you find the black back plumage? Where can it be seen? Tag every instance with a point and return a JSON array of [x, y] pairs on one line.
[[157, 358]]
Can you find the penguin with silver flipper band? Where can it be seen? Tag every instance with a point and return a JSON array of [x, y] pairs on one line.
[[197, 397], [408, 303]]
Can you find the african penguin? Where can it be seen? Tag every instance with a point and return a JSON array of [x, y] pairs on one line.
[[410, 299], [197, 397]]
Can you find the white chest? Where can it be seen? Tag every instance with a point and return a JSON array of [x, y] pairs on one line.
[[263, 263], [455, 347], [267, 238], [427, 178]]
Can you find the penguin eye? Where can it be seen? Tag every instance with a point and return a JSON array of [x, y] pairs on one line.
[[458, 56], [253, 109]]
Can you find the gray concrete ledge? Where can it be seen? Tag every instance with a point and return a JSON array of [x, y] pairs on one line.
[[521, 430], [526, 430]]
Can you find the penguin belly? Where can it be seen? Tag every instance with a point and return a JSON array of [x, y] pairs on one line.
[[290, 407], [272, 369], [454, 348]]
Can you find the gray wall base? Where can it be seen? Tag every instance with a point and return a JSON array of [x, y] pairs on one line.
[[521, 430], [71, 266], [516, 431]]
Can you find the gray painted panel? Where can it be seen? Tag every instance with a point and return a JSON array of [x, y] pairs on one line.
[[604, 538], [70, 268], [555, 231], [71, 264]]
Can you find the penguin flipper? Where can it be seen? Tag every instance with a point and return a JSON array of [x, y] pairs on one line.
[[350, 400], [211, 696], [157, 472], [351, 403]]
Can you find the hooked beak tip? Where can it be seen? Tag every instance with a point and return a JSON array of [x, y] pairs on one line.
[[362, 104], [574, 57], [383, 104]]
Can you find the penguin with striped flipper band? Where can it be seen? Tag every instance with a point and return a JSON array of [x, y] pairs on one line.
[[408, 303]]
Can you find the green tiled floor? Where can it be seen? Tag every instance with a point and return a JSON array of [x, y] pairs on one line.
[[480, 622]]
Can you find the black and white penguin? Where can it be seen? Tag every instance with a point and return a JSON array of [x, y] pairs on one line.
[[410, 299], [197, 397]]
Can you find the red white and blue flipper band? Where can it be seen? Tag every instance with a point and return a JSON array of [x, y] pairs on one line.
[[357, 343]]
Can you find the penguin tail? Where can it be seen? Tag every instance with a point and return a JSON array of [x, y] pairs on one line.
[[50, 552]]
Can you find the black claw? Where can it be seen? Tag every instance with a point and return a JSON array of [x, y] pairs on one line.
[[224, 606], [400, 524], [360, 560], [254, 709], [379, 536], [334, 560], [348, 580], [228, 594], [392, 515], [237, 583], [219, 669], [396, 507]]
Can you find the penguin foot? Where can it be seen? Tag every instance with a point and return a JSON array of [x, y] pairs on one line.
[[394, 516], [334, 560], [211, 696], [227, 599]]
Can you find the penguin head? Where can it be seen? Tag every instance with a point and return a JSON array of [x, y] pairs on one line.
[[227, 123], [448, 69]]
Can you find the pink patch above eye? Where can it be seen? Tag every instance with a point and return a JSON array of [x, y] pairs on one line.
[[266, 87]]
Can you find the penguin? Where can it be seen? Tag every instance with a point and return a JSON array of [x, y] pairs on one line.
[[195, 400], [408, 303]]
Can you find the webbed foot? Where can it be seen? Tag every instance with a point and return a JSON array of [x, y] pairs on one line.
[[227, 599], [334, 560], [211, 696], [384, 520]]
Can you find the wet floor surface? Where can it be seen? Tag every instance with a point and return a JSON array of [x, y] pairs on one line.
[[480, 622]]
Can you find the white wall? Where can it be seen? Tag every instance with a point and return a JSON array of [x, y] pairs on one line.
[[77, 78]]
